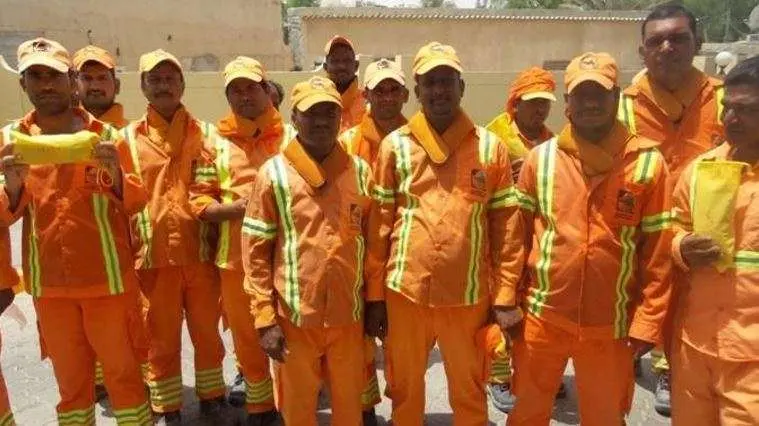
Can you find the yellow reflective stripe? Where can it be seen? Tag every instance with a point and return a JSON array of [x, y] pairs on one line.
[[348, 139], [545, 188], [402, 148], [35, 287], [508, 197], [383, 195], [371, 393], [362, 175], [98, 373], [475, 249], [485, 146], [719, 95], [107, 243], [144, 226], [259, 228], [7, 419], [747, 260], [208, 381], [223, 154], [259, 392], [358, 282], [626, 112], [77, 417], [166, 392], [283, 197], [656, 222], [627, 236], [140, 416], [645, 166]]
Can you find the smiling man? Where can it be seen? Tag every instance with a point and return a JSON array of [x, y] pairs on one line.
[[98, 85], [341, 66]]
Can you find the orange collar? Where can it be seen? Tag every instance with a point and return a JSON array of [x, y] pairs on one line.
[[114, 116], [597, 158], [673, 104], [28, 124], [268, 124], [439, 147], [168, 136]]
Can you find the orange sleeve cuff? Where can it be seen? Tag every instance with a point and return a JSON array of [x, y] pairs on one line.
[[8, 217], [505, 296], [677, 255], [134, 193], [264, 315], [645, 331]]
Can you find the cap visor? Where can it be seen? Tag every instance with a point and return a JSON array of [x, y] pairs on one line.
[[607, 83], [45, 61], [335, 41], [93, 58], [312, 100], [539, 95], [382, 76], [152, 66], [430, 65], [246, 75]]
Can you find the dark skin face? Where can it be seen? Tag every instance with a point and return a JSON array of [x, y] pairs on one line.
[[741, 119], [163, 87], [530, 115], [440, 91], [276, 100], [248, 98], [318, 128], [387, 99], [592, 110], [98, 87], [341, 66], [668, 49], [50, 91]]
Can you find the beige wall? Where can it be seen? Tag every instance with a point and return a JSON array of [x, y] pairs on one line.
[[484, 45], [203, 35]]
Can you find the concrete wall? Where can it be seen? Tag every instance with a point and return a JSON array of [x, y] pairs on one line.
[[205, 36]]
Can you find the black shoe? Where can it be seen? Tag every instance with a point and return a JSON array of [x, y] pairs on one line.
[[562, 392], [369, 417], [637, 368], [238, 391], [268, 418], [212, 407], [661, 395], [101, 393], [172, 418]]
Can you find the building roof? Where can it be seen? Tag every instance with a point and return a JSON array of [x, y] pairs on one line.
[[467, 14]]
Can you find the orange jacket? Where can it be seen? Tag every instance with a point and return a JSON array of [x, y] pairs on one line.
[[226, 172], [354, 106], [364, 138], [685, 124], [304, 245], [115, 116], [438, 236], [718, 312], [166, 232], [8, 274], [76, 234], [598, 259]]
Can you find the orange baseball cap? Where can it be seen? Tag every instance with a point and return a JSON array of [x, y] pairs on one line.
[[313, 91], [150, 60], [338, 39], [435, 55], [42, 51], [598, 67], [381, 70], [93, 54], [244, 67]]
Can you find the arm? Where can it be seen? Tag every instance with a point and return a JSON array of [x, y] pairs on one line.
[[8, 275], [205, 192], [128, 191], [13, 196]]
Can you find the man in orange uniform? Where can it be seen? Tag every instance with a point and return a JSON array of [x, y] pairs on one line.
[[438, 173], [98, 85], [341, 66], [304, 245], [596, 206], [385, 89], [715, 355], [8, 280], [675, 105], [250, 134], [77, 258], [172, 248]]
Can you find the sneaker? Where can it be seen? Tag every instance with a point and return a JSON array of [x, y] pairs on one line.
[[637, 368], [237, 391], [212, 407], [500, 394], [172, 418], [562, 392], [101, 393], [268, 418], [661, 395], [369, 417]]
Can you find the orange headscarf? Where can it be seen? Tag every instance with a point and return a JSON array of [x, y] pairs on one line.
[[531, 80]]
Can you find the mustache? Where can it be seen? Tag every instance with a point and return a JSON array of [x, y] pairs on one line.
[[95, 92]]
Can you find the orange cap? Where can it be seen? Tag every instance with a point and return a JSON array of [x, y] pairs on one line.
[[338, 39], [150, 60], [598, 67], [313, 91], [42, 51], [94, 54], [381, 70], [434, 55], [244, 67]]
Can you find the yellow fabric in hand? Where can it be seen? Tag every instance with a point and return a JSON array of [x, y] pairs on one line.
[[55, 149]]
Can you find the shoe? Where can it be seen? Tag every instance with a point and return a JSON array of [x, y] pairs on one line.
[[101, 393], [212, 407], [268, 418], [369, 417], [238, 391], [637, 368], [562, 392], [500, 394], [661, 395], [172, 418]]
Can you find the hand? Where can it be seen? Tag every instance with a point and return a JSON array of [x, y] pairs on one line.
[[699, 250], [107, 155], [240, 206], [375, 320], [508, 319], [15, 172], [273, 342], [639, 347], [6, 298]]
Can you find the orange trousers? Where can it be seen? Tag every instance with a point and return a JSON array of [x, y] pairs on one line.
[[173, 293], [333, 355], [253, 362], [603, 375], [413, 330], [6, 415], [75, 332], [709, 391], [371, 393]]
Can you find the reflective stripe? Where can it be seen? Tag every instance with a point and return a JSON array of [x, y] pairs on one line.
[[747, 260], [6, 419], [626, 112], [627, 236], [486, 145], [167, 392], [144, 225], [362, 182], [508, 197], [402, 148], [77, 417], [278, 176], [371, 393], [259, 228], [140, 416], [35, 287], [383, 195], [259, 392], [362, 175], [204, 174], [645, 166], [223, 153], [656, 222], [289, 134], [545, 182], [475, 248], [209, 381], [525, 201], [348, 139], [107, 244], [719, 95]]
